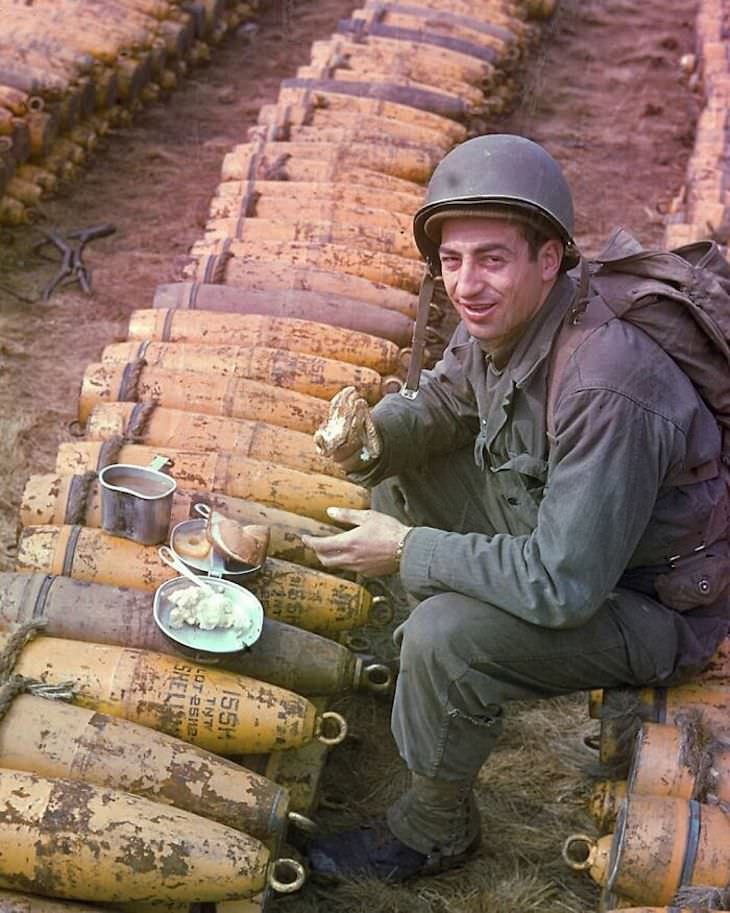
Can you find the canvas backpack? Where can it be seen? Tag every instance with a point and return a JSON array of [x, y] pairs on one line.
[[680, 297]]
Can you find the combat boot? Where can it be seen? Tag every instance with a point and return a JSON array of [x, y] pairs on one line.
[[433, 827]]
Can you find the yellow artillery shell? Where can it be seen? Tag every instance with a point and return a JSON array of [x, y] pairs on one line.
[[308, 598], [308, 374], [241, 477], [352, 231], [84, 842], [284, 655], [664, 765], [89, 41], [272, 274], [311, 599], [232, 396], [334, 310], [219, 711], [344, 135], [307, 168], [253, 330], [232, 204], [37, 175], [413, 59], [27, 192], [710, 699], [55, 739], [664, 844], [204, 433], [605, 802], [291, 94], [401, 272], [376, 72], [445, 22], [67, 63], [586, 854], [54, 500], [365, 129], [328, 196], [360, 126], [410, 164]]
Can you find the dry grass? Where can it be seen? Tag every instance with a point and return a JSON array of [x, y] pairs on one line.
[[14, 443], [532, 794]]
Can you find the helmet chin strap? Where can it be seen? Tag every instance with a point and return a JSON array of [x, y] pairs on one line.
[[418, 345]]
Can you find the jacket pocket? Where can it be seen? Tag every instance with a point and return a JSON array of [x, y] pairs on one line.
[[698, 580], [519, 483], [526, 471]]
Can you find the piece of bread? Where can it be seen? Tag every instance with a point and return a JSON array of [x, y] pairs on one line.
[[192, 544], [246, 544]]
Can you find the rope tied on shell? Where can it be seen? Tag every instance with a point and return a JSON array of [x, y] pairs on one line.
[[14, 647], [128, 392], [20, 684], [133, 434], [80, 491], [13, 685], [78, 498], [702, 898], [697, 750]]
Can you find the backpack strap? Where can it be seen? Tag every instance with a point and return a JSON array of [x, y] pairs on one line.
[[588, 312]]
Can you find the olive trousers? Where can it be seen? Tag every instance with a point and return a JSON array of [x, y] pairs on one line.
[[461, 659]]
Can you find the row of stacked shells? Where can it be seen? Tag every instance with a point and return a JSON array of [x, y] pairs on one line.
[[305, 282], [71, 70]]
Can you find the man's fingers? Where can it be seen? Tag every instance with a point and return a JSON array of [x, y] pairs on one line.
[[329, 549], [348, 515]]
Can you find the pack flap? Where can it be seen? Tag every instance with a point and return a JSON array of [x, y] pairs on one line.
[[623, 253], [696, 275]]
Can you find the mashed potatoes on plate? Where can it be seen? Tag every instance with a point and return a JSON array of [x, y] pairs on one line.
[[206, 610]]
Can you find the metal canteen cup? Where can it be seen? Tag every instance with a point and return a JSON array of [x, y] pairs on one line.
[[136, 501]]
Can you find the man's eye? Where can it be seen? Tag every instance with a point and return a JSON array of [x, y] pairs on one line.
[[450, 262], [492, 260]]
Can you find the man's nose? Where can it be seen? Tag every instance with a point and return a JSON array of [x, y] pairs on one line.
[[469, 282]]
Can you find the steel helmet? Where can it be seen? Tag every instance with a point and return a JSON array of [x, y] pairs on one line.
[[502, 170]]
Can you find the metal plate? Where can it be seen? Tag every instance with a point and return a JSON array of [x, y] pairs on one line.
[[220, 640], [213, 565]]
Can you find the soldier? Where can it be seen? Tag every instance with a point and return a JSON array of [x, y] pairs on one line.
[[529, 497]]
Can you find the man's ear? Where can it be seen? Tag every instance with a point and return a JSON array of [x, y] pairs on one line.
[[550, 258]]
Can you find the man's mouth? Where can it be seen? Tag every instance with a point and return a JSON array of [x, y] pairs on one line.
[[475, 309]]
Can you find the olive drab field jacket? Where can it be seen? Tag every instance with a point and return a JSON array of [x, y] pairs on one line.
[[581, 510]]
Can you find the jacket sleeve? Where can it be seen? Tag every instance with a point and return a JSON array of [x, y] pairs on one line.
[[605, 470], [443, 417]]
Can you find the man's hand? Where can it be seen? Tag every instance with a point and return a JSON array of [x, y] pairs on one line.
[[370, 548], [348, 436]]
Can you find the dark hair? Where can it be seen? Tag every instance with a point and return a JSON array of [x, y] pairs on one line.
[[537, 234]]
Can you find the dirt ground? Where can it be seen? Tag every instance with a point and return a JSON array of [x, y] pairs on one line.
[[604, 93]]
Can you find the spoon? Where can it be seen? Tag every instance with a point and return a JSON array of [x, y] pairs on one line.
[[172, 561]]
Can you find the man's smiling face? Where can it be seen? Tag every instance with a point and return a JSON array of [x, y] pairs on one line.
[[491, 278]]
